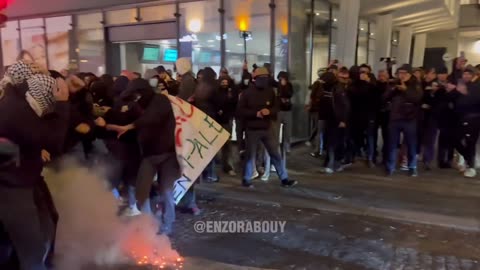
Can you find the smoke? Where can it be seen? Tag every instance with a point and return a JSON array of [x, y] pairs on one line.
[[90, 232]]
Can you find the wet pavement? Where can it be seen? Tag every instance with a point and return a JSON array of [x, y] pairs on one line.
[[324, 240], [357, 219]]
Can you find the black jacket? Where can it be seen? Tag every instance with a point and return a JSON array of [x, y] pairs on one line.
[[227, 99], [469, 105], [156, 127], [259, 96], [405, 105], [21, 125], [285, 94]]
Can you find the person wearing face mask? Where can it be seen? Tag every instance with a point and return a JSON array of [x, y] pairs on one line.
[[258, 106], [285, 94], [227, 103], [170, 84], [239, 123]]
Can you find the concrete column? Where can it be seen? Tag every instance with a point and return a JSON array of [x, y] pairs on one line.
[[404, 45], [383, 40], [347, 31], [419, 49]]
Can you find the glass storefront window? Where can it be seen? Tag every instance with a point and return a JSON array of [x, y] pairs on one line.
[[362, 48], [300, 47], [10, 43], [121, 16], [33, 39], [58, 36], [250, 16], [371, 43], [320, 37], [157, 13], [201, 19], [334, 37], [281, 35], [91, 43]]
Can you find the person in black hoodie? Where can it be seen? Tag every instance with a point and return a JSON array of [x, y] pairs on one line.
[[157, 121], [383, 113], [258, 107], [433, 97], [448, 120], [458, 65], [43, 126], [239, 123], [227, 100], [405, 98], [205, 99], [335, 113], [285, 94], [468, 109]]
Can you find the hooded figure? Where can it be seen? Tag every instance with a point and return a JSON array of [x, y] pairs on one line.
[[28, 95]]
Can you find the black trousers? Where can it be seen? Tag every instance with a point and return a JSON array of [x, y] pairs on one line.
[[446, 144], [467, 138]]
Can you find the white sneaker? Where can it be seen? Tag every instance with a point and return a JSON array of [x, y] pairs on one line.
[[308, 143], [255, 175], [132, 211], [265, 177], [272, 169], [232, 173], [470, 173], [327, 170]]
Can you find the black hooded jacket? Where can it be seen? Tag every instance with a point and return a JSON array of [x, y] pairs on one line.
[[21, 125], [259, 96]]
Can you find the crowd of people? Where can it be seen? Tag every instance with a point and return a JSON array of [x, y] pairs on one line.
[[421, 113], [126, 124]]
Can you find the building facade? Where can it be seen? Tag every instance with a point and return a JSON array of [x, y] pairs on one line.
[[299, 36]]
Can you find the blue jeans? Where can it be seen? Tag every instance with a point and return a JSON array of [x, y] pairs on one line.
[[268, 138], [409, 129]]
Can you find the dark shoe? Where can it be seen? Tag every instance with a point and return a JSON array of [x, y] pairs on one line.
[[428, 167], [371, 164], [289, 183], [247, 184], [412, 173], [444, 165]]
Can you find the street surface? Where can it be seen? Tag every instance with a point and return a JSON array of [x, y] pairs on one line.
[[357, 219]]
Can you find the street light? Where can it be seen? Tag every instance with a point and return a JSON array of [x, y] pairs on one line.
[[245, 35]]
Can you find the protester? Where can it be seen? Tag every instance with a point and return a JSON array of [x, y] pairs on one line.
[[334, 113], [383, 114], [227, 104], [405, 98], [468, 109], [188, 84], [157, 121], [39, 103], [313, 108], [285, 94], [258, 106]]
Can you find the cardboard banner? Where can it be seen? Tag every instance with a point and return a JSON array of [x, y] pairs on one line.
[[198, 138]]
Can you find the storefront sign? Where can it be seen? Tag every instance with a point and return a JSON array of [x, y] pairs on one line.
[[198, 138]]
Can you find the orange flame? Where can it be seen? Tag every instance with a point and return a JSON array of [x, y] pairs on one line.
[[242, 11]]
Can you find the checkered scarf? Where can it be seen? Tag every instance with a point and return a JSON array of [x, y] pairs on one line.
[[40, 93], [40, 85]]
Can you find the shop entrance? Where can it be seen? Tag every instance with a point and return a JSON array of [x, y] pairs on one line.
[[140, 47]]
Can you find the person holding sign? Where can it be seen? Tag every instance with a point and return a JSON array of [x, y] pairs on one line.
[[258, 107]]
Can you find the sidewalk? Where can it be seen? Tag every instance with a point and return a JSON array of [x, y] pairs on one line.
[[442, 197]]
